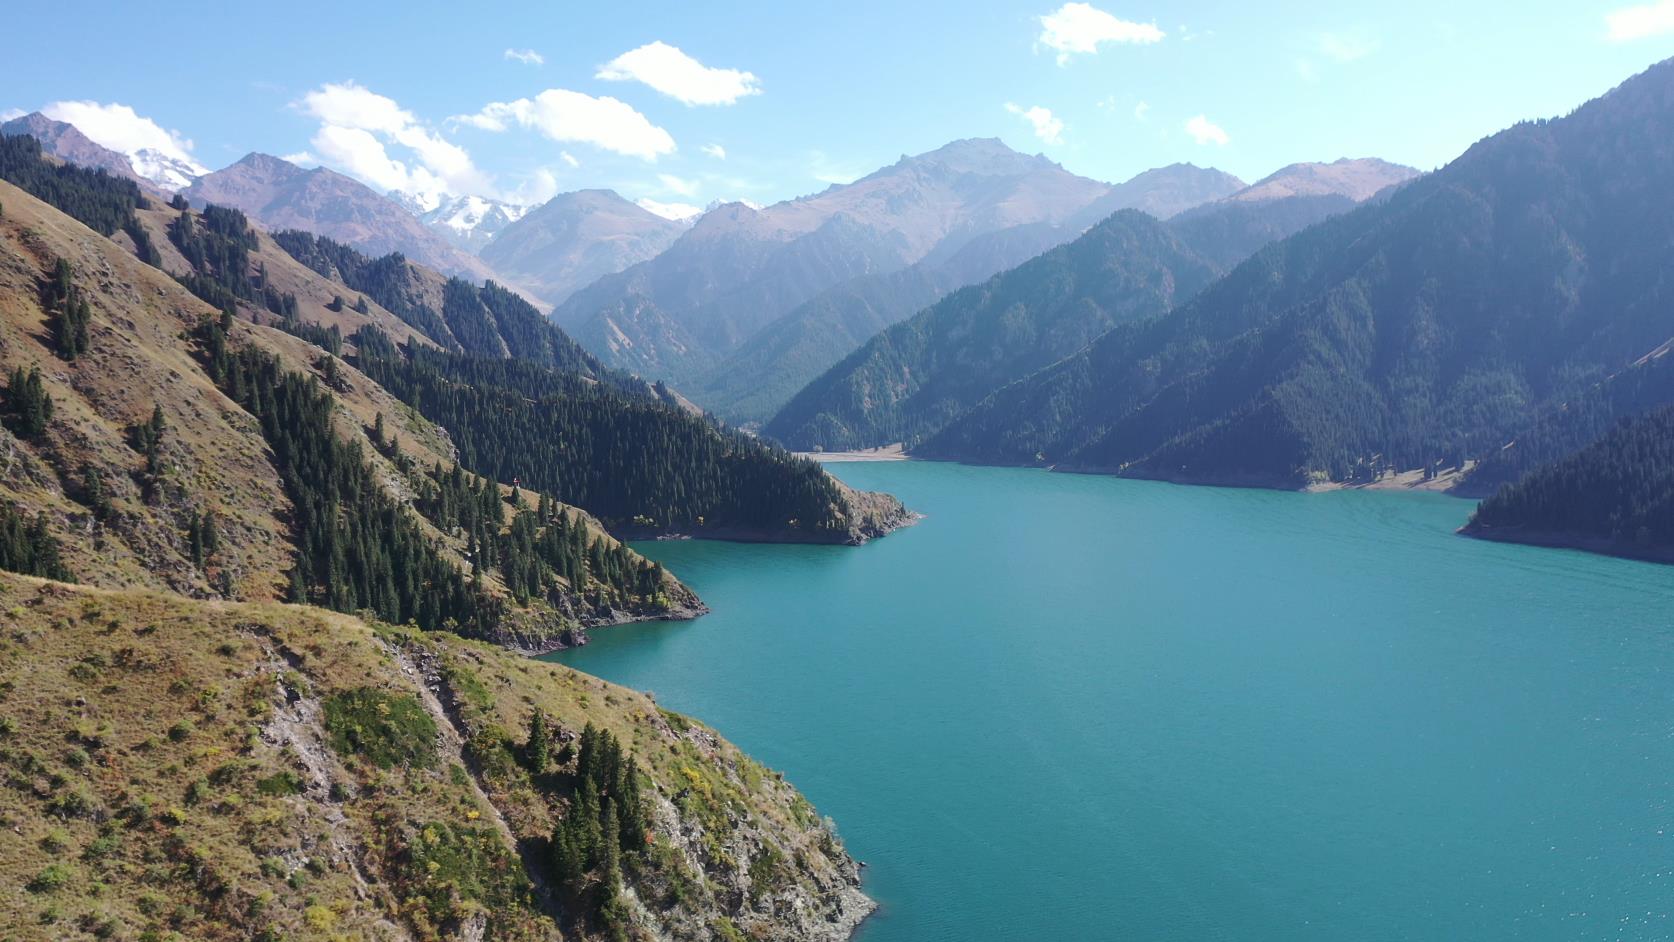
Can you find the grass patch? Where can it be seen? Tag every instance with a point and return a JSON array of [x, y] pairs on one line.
[[383, 728]]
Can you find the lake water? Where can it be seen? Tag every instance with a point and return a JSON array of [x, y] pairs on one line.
[[1070, 708]]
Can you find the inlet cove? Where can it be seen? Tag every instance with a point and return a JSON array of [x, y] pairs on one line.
[[1077, 707]]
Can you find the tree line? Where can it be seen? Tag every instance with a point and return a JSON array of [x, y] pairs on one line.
[[629, 460]]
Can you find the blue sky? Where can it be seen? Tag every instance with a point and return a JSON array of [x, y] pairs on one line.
[[783, 99]]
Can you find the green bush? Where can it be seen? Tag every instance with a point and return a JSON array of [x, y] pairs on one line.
[[386, 729]]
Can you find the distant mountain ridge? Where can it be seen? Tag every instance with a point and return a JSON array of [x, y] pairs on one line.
[[739, 269], [469, 222], [574, 239], [1418, 332], [280, 195], [906, 383]]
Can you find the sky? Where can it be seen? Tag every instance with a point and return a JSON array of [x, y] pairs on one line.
[[682, 104]]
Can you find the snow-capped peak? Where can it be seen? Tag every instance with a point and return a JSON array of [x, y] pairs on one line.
[[466, 221], [679, 212], [466, 214], [165, 170]]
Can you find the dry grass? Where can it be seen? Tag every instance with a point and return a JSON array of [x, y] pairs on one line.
[[168, 768]]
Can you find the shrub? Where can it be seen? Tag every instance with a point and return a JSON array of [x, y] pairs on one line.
[[386, 729], [52, 878]]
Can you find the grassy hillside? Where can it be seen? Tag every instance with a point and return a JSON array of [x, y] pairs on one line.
[[173, 769], [124, 512]]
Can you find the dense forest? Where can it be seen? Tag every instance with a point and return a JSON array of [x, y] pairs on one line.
[[633, 462], [98, 200], [357, 547], [1574, 423], [1615, 495], [1414, 333]]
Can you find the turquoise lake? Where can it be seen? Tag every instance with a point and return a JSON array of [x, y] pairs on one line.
[[1067, 708]]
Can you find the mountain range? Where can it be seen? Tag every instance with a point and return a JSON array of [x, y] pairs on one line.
[[574, 239], [280, 195], [739, 269], [1421, 331], [905, 383]]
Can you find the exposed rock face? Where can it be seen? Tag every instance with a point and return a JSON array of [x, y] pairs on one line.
[[280, 195]]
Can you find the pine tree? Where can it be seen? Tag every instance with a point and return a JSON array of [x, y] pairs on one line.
[[96, 496], [537, 748], [28, 406]]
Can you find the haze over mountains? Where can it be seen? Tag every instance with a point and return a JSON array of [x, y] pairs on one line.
[[913, 377], [1421, 332], [574, 239], [739, 269]]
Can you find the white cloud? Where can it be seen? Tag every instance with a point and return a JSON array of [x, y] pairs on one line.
[[1640, 22], [677, 211], [674, 184], [569, 158], [301, 158], [1081, 28], [822, 168], [679, 76], [11, 114], [356, 124], [525, 56], [572, 117], [1047, 127], [1345, 47], [714, 150], [1142, 111], [541, 186], [1204, 131], [119, 128]]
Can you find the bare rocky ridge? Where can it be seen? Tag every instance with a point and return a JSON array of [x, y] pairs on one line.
[[280, 195], [63, 141]]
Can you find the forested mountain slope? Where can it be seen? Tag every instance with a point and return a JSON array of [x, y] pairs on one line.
[[1221, 233], [150, 459], [1615, 495], [909, 380], [1417, 332]]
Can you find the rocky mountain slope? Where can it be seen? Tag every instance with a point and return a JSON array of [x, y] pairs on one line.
[[574, 239], [229, 771], [738, 269], [280, 195], [63, 141]]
